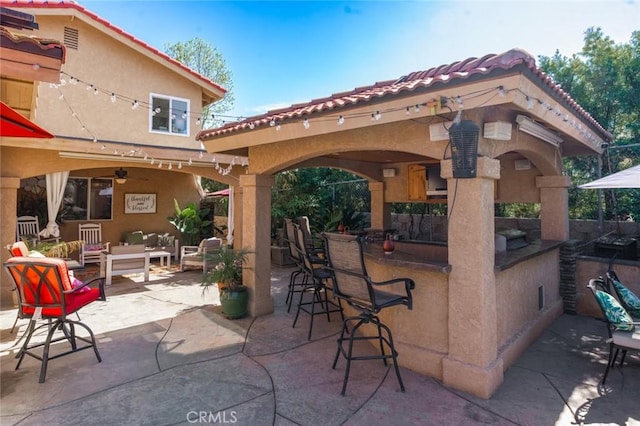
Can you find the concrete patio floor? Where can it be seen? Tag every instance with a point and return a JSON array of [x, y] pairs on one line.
[[169, 357]]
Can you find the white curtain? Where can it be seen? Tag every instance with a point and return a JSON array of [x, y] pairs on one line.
[[198, 180], [230, 217], [56, 183]]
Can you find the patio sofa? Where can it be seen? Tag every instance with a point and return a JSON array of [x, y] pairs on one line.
[[130, 259], [153, 242]]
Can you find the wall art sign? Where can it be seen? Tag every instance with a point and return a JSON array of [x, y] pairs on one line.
[[139, 203]]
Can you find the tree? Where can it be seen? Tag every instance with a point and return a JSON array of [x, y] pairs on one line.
[[604, 78], [205, 59]]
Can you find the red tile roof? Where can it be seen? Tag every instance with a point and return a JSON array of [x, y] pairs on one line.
[[36, 45], [478, 68], [66, 4]]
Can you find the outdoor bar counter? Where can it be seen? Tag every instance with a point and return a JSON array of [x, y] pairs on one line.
[[432, 256], [527, 299]]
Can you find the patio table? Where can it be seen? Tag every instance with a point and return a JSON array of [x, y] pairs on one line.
[[162, 255]]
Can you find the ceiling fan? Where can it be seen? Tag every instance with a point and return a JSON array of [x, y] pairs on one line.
[[121, 176]]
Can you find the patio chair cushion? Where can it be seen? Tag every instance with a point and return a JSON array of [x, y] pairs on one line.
[[73, 300], [616, 315], [628, 298], [629, 339]]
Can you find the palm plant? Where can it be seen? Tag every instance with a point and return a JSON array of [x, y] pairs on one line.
[[227, 268]]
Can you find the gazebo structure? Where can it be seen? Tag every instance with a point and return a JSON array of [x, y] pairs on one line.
[[476, 308]]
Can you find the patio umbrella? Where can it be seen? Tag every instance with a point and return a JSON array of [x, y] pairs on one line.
[[628, 178], [15, 124]]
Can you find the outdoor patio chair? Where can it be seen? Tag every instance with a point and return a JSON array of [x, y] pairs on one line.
[[28, 229], [627, 298], [294, 286], [92, 244], [191, 256], [45, 291], [352, 284], [314, 283], [623, 333], [314, 245]]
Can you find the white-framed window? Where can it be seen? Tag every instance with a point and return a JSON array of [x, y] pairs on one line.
[[169, 115], [87, 199]]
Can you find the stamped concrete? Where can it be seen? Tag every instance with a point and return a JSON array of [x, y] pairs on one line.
[[170, 357]]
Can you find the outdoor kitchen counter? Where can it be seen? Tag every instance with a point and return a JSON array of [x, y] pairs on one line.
[[414, 255], [429, 256], [510, 258]]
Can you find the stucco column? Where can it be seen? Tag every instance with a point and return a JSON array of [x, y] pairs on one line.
[[472, 363], [554, 207], [256, 237], [8, 209], [380, 211]]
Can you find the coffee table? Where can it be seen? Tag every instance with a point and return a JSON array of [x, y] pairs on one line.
[[162, 255]]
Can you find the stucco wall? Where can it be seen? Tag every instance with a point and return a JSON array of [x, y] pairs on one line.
[[108, 64], [421, 335], [588, 268]]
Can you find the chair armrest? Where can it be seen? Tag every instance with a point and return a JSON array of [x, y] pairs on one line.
[[408, 282], [188, 249], [100, 280]]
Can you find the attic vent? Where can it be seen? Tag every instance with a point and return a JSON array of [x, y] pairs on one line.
[[71, 38]]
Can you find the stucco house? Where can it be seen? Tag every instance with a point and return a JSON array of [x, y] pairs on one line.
[[116, 102], [476, 307]]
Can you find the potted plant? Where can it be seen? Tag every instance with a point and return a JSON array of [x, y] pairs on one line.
[[226, 272], [192, 222]]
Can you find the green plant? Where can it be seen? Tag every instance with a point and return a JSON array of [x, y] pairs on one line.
[[227, 268], [191, 221], [347, 216]]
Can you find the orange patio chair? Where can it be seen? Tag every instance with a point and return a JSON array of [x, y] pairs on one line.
[[45, 291]]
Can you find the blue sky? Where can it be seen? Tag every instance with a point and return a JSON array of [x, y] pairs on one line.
[[281, 53]]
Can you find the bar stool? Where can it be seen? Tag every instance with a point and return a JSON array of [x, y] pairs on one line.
[[353, 285], [315, 283]]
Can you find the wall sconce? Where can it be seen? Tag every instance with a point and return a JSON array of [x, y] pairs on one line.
[[463, 137], [532, 128]]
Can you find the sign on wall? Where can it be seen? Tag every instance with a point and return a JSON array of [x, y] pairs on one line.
[[139, 203]]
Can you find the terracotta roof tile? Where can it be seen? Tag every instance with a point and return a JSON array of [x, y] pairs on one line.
[[449, 73], [40, 46], [66, 4]]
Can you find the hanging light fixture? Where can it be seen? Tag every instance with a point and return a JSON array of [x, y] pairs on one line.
[[121, 176], [463, 137]]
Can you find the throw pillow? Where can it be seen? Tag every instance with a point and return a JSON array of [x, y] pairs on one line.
[[152, 240], [628, 298], [615, 313], [166, 240], [135, 237]]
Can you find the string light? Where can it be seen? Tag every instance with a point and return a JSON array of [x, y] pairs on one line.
[[458, 102]]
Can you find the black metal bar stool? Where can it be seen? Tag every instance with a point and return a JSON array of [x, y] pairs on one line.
[[315, 284], [353, 285]]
